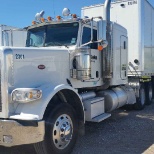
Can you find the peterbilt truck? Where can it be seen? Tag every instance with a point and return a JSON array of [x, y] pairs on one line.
[[72, 70]]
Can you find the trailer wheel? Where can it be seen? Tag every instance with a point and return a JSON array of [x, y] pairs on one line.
[[61, 131], [140, 101], [148, 93]]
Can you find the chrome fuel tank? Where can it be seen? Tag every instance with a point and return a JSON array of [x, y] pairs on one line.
[[117, 97]]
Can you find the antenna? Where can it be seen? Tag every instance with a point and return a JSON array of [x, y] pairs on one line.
[[54, 8]]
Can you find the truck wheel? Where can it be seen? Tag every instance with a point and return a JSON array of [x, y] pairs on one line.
[[148, 93], [61, 131], [140, 101]]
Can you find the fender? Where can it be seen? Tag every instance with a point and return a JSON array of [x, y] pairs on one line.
[[35, 110]]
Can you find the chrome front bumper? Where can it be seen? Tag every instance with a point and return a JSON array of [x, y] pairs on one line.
[[14, 133]]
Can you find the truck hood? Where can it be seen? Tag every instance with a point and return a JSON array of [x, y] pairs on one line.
[[32, 67]]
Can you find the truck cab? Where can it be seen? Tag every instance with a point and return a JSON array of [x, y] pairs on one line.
[[80, 41]]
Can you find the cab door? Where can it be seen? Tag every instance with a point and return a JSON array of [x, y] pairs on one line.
[[95, 54]]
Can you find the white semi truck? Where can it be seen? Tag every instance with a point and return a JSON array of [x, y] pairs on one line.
[[72, 70]]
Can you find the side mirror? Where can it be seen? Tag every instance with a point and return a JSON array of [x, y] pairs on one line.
[[101, 30]]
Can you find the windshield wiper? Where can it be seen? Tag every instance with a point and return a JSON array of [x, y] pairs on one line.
[[50, 44]]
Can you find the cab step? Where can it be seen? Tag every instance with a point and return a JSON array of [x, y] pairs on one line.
[[94, 109], [101, 117]]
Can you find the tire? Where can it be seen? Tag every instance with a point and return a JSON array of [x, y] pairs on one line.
[[61, 131], [140, 101], [148, 93]]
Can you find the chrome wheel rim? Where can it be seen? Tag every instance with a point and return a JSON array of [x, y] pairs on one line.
[[62, 131]]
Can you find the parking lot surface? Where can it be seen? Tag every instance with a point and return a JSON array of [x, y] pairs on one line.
[[125, 132]]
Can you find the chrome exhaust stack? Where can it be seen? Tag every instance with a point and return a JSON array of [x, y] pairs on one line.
[[107, 52]]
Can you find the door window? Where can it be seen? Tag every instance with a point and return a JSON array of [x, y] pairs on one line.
[[86, 37]]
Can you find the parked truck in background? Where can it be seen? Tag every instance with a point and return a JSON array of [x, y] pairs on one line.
[[72, 70], [12, 36]]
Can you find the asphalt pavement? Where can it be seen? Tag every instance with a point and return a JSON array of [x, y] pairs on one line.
[[125, 132]]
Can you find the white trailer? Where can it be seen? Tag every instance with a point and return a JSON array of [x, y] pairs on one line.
[[72, 70], [137, 16], [12, 36]]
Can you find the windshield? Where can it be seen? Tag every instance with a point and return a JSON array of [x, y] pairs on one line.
[[64, 34]]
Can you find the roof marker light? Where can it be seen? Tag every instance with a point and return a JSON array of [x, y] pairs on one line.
[[33, 22], [58, 18], [74, 16], [42, 20], [49, 18]]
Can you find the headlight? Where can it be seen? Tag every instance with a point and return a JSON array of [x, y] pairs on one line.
[[25, 95]]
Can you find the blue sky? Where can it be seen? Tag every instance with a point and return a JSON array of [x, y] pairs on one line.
[[20, 13]]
